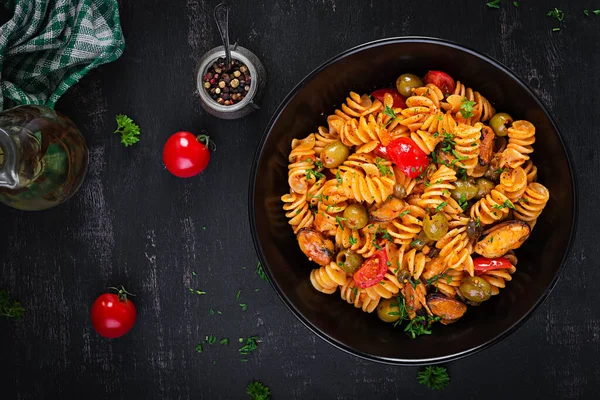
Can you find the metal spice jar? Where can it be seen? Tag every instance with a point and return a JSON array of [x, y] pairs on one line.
[[230, 93]]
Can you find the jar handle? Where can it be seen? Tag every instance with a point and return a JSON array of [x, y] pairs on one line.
[[8, 169]]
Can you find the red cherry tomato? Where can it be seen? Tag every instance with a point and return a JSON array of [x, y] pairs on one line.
[[405, 153], [113, 315], [398, 99], [186, 155], [381, 151], [372, 271], [483, 264], [442, 80]]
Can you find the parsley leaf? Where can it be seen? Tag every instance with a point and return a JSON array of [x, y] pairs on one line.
[[261, 272], [441, 206], [434, 377], [128, 130], [383, 169], [389, 111], [556, 13], [258, 391], [310, 173], [338, 177], [10, 308], [507, 203], [339, 221], [596, 12], [466, 108], [250, 345], [493, 4], [586, 12], [352, 240], [516, 3], [462, 201], [403, 213], [418, 326]]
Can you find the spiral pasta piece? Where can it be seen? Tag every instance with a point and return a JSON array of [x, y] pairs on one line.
[[482, 110], [358, 297], [327, 279], [438, 191], [297, 210], [498, 278], [404, 231], [491, 208], [530, 170], [414, 262], [323, 139], [467, 140], [439, 123], [368, 188], [386, 288], [432, 92], [365, 130], [455, 250], [532, 203], [355, 106], [521, 135], [361, 241], [513, 183], [425, 140], [407, 182]]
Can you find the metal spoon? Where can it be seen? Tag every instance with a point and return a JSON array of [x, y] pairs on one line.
[[221, 14]]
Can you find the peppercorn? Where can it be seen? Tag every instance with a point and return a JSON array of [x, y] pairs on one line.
[[227, 86]]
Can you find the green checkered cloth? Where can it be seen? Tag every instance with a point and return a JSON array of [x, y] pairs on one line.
[[49, 45]]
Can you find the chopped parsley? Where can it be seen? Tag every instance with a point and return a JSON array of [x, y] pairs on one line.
[[352, 240], [555, 29], [311, 173], [211, 311], [339, 221], [389, 111], [493, 4], [237, 296], [439, 118], [383, 169], [261, 272], [556, 13], [403, 213], [10, 308], [250, 345], [258, 391], [506, 204], [466, 108], [198, 348], [338, 177], [516, 3], [434, 377], [418, 326], [244, 306], [318, 164], [448, 142], [462, 201], [478, 222], [441, 206]]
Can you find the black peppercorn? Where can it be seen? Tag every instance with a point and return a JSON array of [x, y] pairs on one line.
[[227, 86]]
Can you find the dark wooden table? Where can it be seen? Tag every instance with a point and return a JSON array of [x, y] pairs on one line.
[[134, 224]]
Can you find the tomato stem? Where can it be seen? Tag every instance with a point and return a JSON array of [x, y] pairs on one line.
[[122, 293], [204, 138]]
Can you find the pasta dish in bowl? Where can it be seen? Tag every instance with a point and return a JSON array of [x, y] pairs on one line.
[[413, 199]]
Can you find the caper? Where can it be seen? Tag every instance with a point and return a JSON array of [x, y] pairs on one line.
[[406, 82], [464, 190], [349, 261], [334, 154], [499, 123], [356, 216], [387, 307], [436, 226], [399, 191], [403, 275], [475, 288], [484, 186], [474, 229]]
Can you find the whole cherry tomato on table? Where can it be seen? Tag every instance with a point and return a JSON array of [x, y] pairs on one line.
[[372, 271], [113, 315], [186, 155], [483, 264], [442, 80], [398, 99], [405, 153]]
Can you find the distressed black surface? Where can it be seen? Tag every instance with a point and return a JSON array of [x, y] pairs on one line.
[[134, 224]]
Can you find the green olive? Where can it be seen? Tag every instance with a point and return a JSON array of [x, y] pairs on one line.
[[475, 288], [387, 307], [420, 241], [349, 261], [406, 82], [484, 186], [499, 123], [356, 216], [334, 154], [436, 226], [399, 191], [464, 190]]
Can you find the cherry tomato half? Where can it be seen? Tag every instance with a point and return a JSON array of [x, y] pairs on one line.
[[405, 153], [186, 155], [113, 315], [483, 264], [398, 99], [442, 80], [372, 271]]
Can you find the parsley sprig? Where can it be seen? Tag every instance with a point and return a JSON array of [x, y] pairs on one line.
[[10, 308], [128, 130], [507, 204], [383, 169], [466, 108], [434, 377], [258, 391], [389, 111]]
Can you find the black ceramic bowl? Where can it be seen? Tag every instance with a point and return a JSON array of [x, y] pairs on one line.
[[362, 69]]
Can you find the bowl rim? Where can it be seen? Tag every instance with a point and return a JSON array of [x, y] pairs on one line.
[[252, 214]]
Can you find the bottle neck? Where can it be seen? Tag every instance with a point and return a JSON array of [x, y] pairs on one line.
[[9, 176]]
